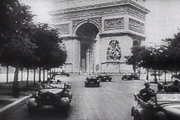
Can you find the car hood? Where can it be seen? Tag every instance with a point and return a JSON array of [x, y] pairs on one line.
[[54, 91], [173, 109]]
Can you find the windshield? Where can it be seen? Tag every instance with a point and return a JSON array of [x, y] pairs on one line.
[[52, 85]]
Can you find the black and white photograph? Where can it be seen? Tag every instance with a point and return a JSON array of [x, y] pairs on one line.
[[90, 60]]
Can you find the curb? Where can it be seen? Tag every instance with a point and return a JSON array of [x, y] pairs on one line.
[[5, 111]]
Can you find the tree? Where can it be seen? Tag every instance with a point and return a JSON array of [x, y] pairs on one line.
[[24, 44], [143, 57], [49, 49], [15, 47], [135, 57]]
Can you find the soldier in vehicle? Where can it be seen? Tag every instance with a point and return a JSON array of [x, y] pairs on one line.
[[146, 93], [174, 87], [160, 87]]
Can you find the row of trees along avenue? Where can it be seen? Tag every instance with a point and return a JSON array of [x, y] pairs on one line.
[[164, 57], [24, 44]]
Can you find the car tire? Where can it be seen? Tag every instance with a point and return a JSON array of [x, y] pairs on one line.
[[31, 111], [137, 117], [160, 115], [66, 111]]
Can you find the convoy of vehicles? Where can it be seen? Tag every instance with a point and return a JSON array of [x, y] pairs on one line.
[[165, 105]]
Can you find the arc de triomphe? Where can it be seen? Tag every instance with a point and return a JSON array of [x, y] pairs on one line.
[[99, 33]]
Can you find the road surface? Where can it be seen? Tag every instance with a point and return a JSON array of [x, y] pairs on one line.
[[111, 101]]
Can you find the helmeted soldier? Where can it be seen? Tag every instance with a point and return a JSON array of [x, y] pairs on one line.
[[146, 93]]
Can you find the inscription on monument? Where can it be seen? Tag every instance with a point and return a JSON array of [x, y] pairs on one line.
[[93, 13], [136, 26], [113, 24], [63, 28]]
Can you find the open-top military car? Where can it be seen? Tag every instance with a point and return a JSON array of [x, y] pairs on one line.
[[132, 76], [104, 77], [92, 80], [51, 94], [166, 106], [60, 73]]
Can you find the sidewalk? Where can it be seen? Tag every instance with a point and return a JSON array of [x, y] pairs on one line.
[[7, 103]]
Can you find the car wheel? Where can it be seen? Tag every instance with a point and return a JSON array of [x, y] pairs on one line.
[[137, 117], [31, 111], [66, 111], [86, 84], [160, 115]]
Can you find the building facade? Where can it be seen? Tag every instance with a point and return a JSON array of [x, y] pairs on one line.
[[98, 34]]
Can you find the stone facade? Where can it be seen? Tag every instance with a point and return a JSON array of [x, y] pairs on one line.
[[98, 34]]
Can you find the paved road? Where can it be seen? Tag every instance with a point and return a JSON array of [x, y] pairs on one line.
[[110, 101]]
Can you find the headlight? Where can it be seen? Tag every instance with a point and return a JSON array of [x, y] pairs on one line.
[[65, 101]]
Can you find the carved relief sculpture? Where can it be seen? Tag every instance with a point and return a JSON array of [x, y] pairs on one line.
[[113, 24], [136, 26], [63, 28], [114, 50]]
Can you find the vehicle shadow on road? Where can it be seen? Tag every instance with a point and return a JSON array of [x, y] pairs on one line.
[[48, 114]]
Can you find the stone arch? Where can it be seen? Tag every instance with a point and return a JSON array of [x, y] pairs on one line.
[[79, 23], [135, 43], [87, 31], [86, 35]]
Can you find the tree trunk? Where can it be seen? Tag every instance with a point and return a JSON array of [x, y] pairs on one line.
[[43, 74], [139, 72], [134, 68], [34, 76], [7, 74], [165, 76], [50, 73], [27, 80], [172, 75], [147, 74], [47, 73], [39, 74], [155, 76], [22, 75], [15, 89]]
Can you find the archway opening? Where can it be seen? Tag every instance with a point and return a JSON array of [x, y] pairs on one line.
[[87, 33]]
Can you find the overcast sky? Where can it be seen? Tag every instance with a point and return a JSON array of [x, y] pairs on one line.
[[162, 21]]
